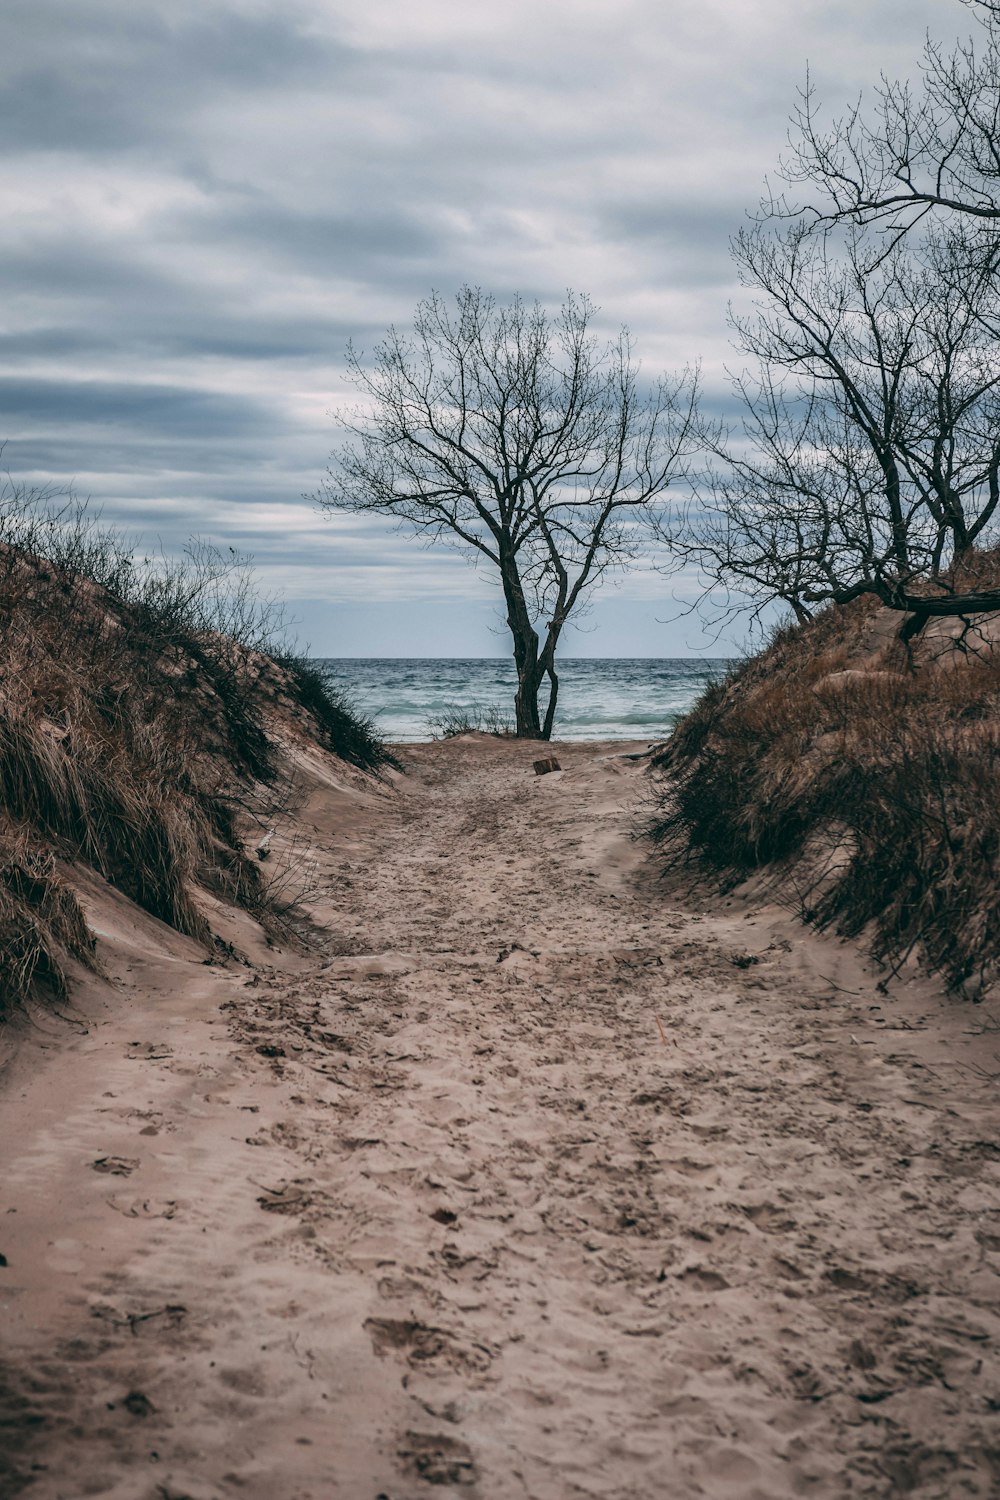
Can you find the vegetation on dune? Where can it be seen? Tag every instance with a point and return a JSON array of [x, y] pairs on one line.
[[337, 725], [138, 713], [41, 922], [861, 772], [477, 718]]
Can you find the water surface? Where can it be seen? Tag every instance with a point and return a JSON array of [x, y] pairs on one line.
[[611, 698]]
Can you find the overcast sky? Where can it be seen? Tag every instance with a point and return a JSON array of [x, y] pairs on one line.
[[205, 199]]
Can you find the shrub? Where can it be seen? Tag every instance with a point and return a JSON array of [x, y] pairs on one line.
[[477, 718]]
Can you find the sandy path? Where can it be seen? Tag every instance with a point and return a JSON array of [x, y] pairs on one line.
[[443, 1214]]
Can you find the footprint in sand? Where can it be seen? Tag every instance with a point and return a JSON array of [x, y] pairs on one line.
[[116, 1166], [767, 1217], [704, 1279], [423, 1346], [437, 1459], [146, 1208]]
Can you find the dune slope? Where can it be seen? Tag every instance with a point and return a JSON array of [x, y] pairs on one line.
[[854, 768]]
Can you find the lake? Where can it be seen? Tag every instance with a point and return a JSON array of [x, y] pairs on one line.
[[598, 699]]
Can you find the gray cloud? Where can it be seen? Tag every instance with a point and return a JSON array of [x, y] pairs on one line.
[[204, 201], [180, 412], [117, 77]]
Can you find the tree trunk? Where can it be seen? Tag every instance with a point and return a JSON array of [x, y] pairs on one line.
[[529, 671], [527, 723], [548, 666], [986, 602], [550, 711]]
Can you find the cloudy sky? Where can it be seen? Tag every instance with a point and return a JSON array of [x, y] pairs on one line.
[[205, 199]]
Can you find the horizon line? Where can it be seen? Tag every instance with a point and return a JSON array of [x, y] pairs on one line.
[[317, 657]]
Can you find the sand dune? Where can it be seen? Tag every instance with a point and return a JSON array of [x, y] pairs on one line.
[[537, 1179]]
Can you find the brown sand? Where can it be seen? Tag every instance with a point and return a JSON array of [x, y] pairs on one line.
[[444, 1212]]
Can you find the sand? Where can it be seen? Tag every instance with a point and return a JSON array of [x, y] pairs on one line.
[[538, 1178]]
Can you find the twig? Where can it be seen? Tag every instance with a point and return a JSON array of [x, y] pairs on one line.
[[839, 987]]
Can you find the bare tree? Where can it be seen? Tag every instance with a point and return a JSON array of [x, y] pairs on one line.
[[518, 436], [922, 148], [868, 458]]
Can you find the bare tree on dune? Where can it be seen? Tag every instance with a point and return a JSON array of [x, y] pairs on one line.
[[928, 148], [868, 456], [520, 437]]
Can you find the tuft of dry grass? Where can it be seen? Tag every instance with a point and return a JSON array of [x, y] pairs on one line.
[[41, 923], [475, 719], [862, 774]]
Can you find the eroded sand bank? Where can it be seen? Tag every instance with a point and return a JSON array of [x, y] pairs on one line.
[[538, 1182]]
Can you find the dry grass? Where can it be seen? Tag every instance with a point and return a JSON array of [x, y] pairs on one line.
[[863, 775], [41, 923], [477, 718], [135, 734], [334, 722]]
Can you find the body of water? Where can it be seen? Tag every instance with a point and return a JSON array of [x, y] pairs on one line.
[[604, 699]]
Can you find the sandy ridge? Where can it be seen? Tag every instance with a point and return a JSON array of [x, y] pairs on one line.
[[539, 1182]]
